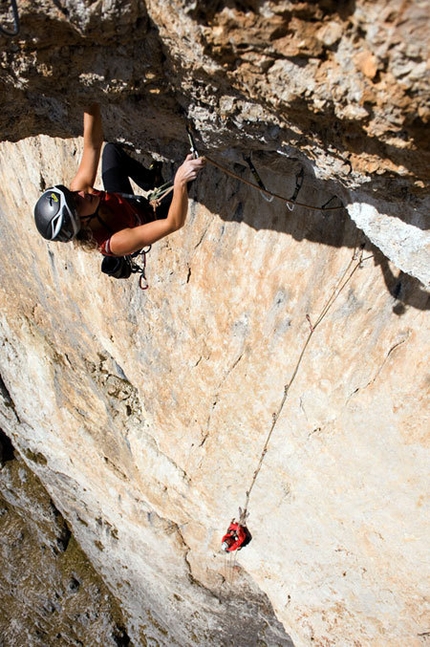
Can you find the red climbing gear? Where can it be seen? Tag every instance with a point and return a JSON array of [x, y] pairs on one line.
[[236, 537]]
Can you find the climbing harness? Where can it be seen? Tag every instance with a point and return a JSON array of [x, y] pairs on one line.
[[355, 263], [264, 193], [16, 25], [121, 267]]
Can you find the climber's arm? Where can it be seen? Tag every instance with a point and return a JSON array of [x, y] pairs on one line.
[[93, 142], [129, 240]]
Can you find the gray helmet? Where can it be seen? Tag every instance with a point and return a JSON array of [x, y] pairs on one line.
[[56, 215]]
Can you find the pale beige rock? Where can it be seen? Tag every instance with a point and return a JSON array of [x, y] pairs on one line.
[[152, 410], [330, 33], [367, 64]]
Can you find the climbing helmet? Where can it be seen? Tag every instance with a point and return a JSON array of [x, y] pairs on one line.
[[56, 216]]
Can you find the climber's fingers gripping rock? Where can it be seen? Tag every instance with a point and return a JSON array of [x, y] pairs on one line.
[[189, 169]]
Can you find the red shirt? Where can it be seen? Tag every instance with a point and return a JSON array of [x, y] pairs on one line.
[[126, 214]]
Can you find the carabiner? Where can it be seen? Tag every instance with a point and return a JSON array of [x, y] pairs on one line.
[[299, 182], [193, 149], [248, 160]]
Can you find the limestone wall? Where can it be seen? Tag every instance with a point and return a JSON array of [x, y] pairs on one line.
[[49, 591], [151, 410], [145, 414]]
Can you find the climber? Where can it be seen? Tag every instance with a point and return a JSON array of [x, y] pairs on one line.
[[236, 537], [112, 220]]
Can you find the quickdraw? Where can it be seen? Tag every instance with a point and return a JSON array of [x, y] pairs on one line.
[[193, 148], [258, 179], [325, 206], [135, 268], [121, 267], [291, 203], [160, 192]]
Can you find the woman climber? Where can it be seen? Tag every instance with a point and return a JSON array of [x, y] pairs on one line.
[[116, 224]]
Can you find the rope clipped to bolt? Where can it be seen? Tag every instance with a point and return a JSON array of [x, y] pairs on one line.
[[266, 194], [290, 202]]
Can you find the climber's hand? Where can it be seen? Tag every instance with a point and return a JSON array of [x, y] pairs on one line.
[[189, 170]]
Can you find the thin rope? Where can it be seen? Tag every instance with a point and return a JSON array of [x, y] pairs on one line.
[[288, 201], [339, 287], [158, 194]]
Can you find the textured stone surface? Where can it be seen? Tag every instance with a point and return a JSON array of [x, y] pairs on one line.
[[151, 410], [346, 89], [50, 593]]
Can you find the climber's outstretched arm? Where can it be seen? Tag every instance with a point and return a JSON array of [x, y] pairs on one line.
[[93, 142], [128, 241]]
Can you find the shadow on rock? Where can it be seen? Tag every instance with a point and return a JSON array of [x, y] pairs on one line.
[[406, 290], [316, 214]]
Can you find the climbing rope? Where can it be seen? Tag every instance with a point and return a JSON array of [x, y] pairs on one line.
[[156, 195], [354, 264], [290, 202], [266, 194], [16, 26], [238, 535]]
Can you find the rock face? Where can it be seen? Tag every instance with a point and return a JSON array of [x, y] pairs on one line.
[[50, 593], [149, 416], [342, 87]]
